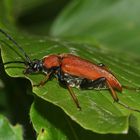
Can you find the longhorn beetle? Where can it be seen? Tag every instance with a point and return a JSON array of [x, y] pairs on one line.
[[72, 71]]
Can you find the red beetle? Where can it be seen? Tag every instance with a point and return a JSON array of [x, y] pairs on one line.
[[72, 71]]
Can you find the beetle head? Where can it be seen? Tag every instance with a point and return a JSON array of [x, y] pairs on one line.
[[34, 66]]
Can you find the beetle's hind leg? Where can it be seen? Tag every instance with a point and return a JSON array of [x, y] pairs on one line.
[[87, 84], [99, 83]]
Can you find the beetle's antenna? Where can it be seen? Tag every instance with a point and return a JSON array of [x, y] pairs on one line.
[[16, 44], [15, 62]]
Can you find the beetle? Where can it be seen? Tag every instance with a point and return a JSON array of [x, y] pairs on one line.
[[72, 71]]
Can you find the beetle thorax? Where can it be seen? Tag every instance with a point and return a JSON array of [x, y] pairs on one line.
[[51, 61]]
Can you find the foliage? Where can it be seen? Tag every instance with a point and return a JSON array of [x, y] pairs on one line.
[[93, 37]]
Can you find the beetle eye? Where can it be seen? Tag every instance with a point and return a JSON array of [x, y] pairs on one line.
[[35, 66]]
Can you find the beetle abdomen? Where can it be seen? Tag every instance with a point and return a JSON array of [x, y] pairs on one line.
[[76, 66]]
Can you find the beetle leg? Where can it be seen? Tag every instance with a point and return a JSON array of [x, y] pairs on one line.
[[73, 97], [88, 84], [116, 99], [42, 83], [93, 84], [62, 80], [98, 83], [113, 93]]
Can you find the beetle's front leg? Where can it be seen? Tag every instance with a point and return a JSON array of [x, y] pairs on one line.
[[42, 83]]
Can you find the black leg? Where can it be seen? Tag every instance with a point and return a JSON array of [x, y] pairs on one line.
[[99, 83], [87, 84], [93, 84]]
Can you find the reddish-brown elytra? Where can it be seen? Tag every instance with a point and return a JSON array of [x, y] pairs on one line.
[[72, 71]]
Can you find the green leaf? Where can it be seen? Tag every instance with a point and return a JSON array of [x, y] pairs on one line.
[[113, 23], [50, 122], [9, 132], [99, 113]]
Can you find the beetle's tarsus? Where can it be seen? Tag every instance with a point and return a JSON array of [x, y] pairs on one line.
[[128, 107]]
